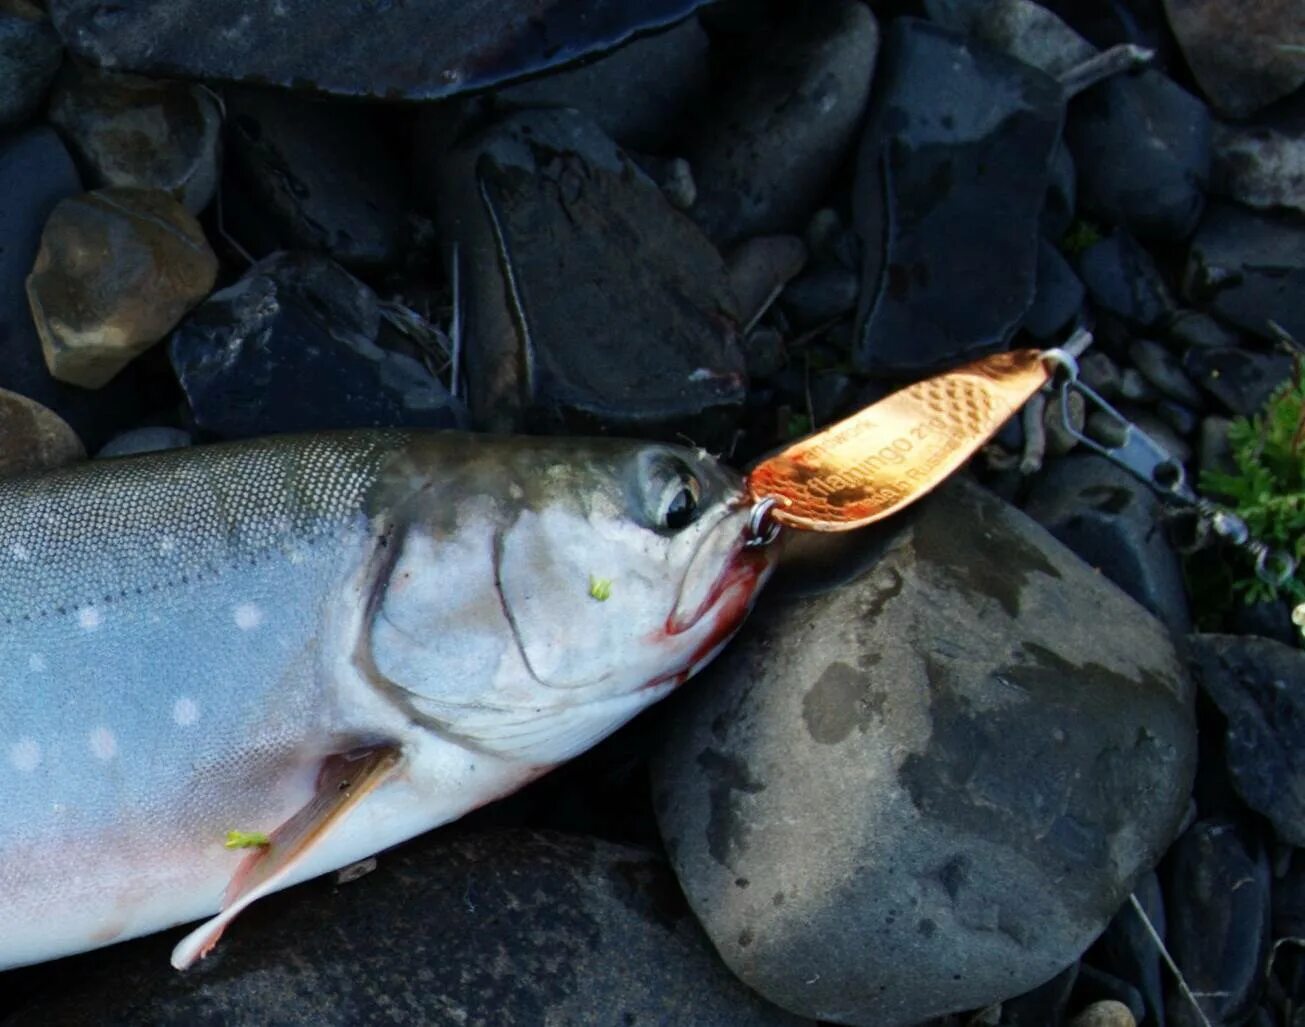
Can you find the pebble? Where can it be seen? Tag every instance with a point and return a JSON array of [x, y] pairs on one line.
[[1217, 898], [315, 175], [1135, 387], [1160, 432], [1141, 145], [1108, 517], [376, 50], [299, 344], [30, 53], [1235, 50], [1127, 950], [630, 322], [1062, 194], [1027, 31], [674, 177], [1256, 684], [1095, 986], [1164, 370], [33, 438], [1240, 379], [1182, 419], [760, 267], [506, 928], [825, 291], [1100, 373], [1122, 277], [1194, 328], [970, 134], [1262, 163], [148, 264], [1062, 437], [764, 351], [141, 133], [1107, 1013], [847, 799], [1059, 296], [1248, 267], [772, 136], [144, 440]]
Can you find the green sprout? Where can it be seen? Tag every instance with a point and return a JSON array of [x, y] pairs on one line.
[[600, 588], [246, 840], [1080, 236]]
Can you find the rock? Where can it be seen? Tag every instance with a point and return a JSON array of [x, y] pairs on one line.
[[150, 264], [1256, 683], [141, 133], [1240, 379], [674, 177], [1163, 370], [1235, 49], [1094, 986], [1062, 195], [1141, 145], [417, 50], [1135, 388], [298, 344], [763, 349], [1217, 897], [1214, 449], [1262, 164], [33, 438], [760, 267], [1043, 1005], [1109, 518], [616, 301], [1268, 620], [848, 801], [770, 142], [1127, 949], [1059, 295], [30, 53], [955, 157], [1122, 277], [824, 291], [35, 174], [1182, 419], [510, 928], [1193, 328], [1249, 268], [144, 440], [1027, 31], [1100, 373], [1064, 422], [1105, 1014], [313, 175]]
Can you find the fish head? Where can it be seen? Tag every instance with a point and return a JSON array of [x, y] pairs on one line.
[[612, 572]]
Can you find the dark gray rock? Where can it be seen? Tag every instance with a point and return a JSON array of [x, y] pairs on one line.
[[1111, 520], [1194, 328], [1100, 373], [763, 349], [1134, 387], [1214, 449], [499, 929], [769, 143], [144, 440], [1181, 418], [615, 301], [1262, 164], [1026, 30], [314, 175], [1249, 268], [1164, 370], [1045, 1005], [1127, 950], [1256, 683], [1235, 51], [1122, 277], [823, 292], [760, 267], [295, 345], [1217, 899], [30, 52], [418, 50], [1267, 620], [928, 790], [1142, 148], [1059, 295], [35, 174], [951, 175], [1062, 194], [142, 133], [1240, 379], [1161, 433], [34, 438]]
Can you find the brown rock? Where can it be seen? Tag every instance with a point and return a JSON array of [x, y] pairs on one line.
[[117, 269], [33, 437], [1244, 53], [1108, 1013]]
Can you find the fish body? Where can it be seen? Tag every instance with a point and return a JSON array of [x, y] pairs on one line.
[[189, 639]]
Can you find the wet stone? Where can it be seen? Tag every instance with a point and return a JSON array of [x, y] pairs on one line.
[[1100, 373], [1059, 295], [823, 292], [495, 929], [1194, 328], [1135, 387], [152, 265], [1235, 51], [1026, 30], [1249, 268], [1240, 379], [1127, 950], [141, 133], [874, 804], [955, 158], [33, 438], [760, 267], [1256, 684], [1182, 419], [1094, 987], [1262, 163], [1164, 370], [376, 50], [1107, 1013], [299, 344], [1108, 518], [1141, 145], [1062, 195], [30, 52], [1123, 278], [144, 440], [768, 145], [619, 306], [1217, 898]]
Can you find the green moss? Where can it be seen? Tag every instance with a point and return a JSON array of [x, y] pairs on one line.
[[1080, 236]]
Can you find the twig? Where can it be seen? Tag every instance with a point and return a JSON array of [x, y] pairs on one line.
[[1104, 65], [1035, 434], [455, 328], [1169, 961]]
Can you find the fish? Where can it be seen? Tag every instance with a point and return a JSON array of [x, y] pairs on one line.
[[316, 647]]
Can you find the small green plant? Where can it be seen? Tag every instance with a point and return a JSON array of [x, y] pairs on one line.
[[1267, 491], [1080, 236], [600, 588]]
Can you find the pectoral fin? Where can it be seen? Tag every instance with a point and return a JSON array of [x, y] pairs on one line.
[[344, 781]]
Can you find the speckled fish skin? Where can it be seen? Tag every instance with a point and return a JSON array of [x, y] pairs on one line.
[[186, 636]]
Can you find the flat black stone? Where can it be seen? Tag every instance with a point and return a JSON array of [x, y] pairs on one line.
[[1239, 378], [413, 50]]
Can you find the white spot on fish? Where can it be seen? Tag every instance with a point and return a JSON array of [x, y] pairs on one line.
[[90, 618], [36, 663], [20, 552], [103, 745], [247, 616], [25, 755], [167, 545], [185, 711]]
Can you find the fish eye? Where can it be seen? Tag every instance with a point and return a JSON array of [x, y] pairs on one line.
[[674, 495]]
